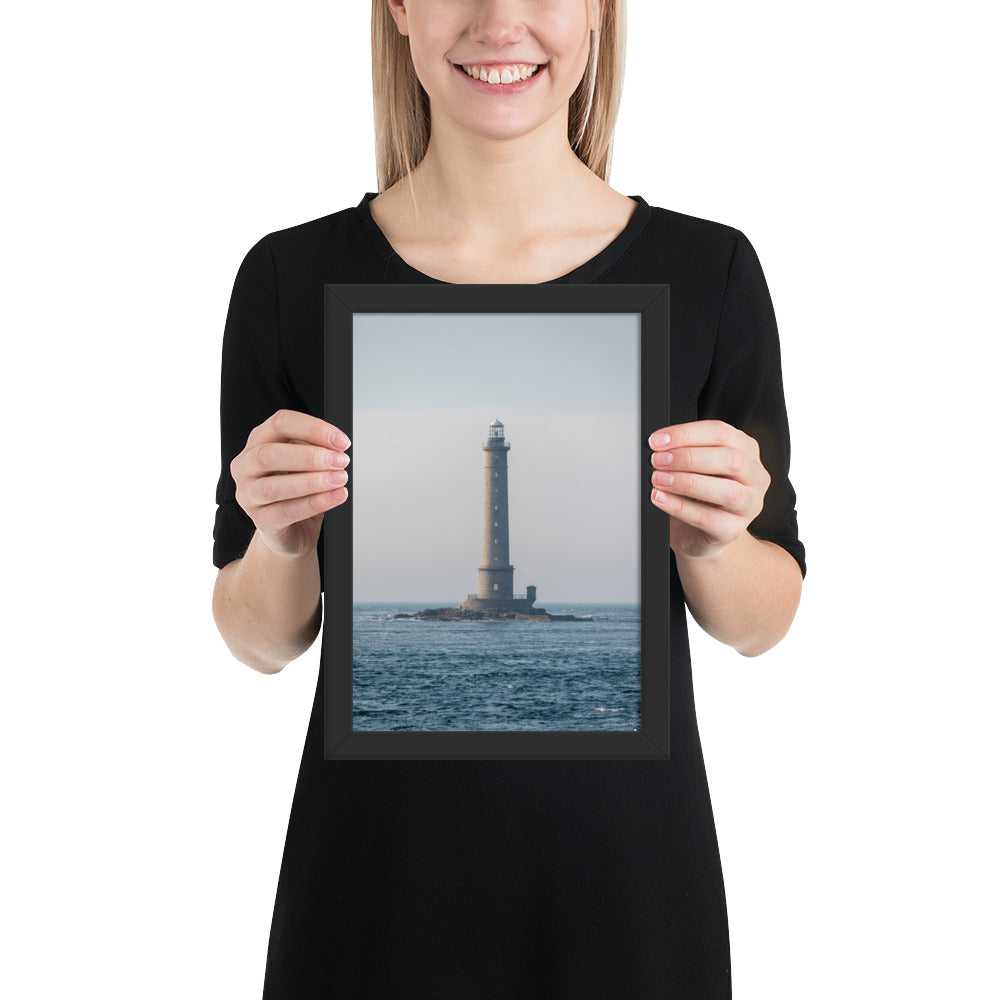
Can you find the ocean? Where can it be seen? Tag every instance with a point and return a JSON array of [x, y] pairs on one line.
[[493, 676]]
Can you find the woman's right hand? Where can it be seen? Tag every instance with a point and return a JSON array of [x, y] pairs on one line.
[[292, 470]]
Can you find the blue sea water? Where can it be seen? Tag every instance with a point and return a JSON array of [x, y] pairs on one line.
[[495, 676]]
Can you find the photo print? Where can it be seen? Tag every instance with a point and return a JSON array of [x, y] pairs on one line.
[[485, 582]]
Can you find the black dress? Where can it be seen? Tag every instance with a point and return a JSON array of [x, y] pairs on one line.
[[512, 879]]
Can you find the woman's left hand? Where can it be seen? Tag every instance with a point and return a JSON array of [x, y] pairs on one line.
[[709, 478]]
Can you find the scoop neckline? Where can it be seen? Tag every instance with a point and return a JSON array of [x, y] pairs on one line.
[[585, 272]]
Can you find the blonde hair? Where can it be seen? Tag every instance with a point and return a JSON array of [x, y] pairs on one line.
[[403, 114]]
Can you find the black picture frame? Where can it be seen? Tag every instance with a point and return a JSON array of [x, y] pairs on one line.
[[651, 303]]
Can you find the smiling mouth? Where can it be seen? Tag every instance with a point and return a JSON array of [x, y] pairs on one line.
[[501, 73]]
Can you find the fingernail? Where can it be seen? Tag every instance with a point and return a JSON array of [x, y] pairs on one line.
[[338, 439], [659, 440]]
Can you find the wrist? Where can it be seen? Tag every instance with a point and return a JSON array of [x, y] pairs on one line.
[[717, 555], [281, 593], [274, 577], [275, 556]]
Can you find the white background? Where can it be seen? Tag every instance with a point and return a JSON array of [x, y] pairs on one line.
[[148, 774]]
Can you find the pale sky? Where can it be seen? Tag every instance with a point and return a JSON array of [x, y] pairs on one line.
[[566, 388]]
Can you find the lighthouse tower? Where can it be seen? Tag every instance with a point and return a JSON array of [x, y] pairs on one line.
[[496, 575]]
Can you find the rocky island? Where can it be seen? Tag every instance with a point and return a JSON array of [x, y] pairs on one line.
[[490, 614]]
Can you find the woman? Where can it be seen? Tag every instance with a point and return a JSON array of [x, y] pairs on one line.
[[507, 878]]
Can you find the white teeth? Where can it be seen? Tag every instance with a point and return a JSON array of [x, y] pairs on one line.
[[510, 74]]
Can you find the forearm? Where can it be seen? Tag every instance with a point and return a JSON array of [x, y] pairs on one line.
[[745, 595], [267, 606]]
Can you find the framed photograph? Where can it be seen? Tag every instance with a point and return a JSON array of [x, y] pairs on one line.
[[497, 582]]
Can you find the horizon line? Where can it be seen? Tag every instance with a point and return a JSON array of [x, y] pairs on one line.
[[577, 600]]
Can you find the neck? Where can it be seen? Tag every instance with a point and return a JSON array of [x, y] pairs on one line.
[[503, 186]]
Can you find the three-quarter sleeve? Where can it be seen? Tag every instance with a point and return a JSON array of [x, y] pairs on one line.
[[254, 385], [744, 388]]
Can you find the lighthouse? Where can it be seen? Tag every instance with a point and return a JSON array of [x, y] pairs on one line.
[[496, 574]]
